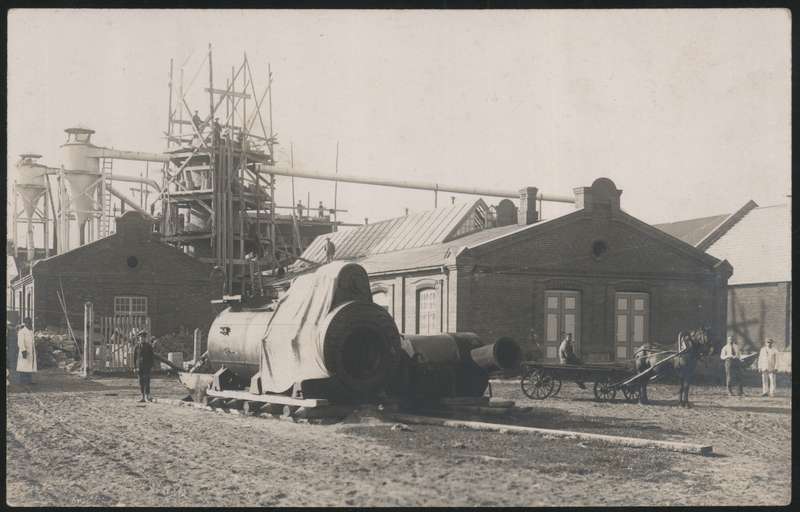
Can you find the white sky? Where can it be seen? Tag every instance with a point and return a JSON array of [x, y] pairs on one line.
[[688, 111]]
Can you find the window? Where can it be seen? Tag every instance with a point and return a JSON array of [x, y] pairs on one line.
[[130, 306], [428, 311], [562, 315], [632, 322], [381, 298]]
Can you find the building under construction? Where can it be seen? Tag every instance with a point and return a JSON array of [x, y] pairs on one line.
[[217, 192], [215, 198]]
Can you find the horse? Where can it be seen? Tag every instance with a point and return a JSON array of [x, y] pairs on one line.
[[692, 345]]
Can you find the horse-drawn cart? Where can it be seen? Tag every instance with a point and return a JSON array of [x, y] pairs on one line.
[[540, 381]]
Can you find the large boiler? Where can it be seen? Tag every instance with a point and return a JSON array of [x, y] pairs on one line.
[[325, 338]]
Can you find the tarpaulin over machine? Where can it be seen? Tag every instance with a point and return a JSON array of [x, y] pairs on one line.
[[328, 327]]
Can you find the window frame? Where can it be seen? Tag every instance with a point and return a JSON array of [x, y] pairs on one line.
[[130, 302]]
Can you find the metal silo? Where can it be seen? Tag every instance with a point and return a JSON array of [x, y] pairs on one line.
[[30, 187], [81, 171]]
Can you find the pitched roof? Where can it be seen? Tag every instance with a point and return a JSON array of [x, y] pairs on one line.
[[759, 246], [692, 231], [416, 230], [434, 255]]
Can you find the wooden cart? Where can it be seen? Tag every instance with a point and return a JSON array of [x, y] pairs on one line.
[[540, 381]]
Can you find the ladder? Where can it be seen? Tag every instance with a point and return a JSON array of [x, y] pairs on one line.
[[106, 215]]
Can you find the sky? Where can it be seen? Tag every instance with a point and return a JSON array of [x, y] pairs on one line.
[[687, 111]]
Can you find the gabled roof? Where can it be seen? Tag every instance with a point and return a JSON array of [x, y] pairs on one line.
[[692, 231], [416, 230], [759, 246], [434, 255]]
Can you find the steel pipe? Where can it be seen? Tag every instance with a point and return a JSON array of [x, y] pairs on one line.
[[416, 185], [127, 201], [100, 152]]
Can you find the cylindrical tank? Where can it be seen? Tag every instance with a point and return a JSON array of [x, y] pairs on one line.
[[460, 357], [326, 328], [30, 181], [81, 171]]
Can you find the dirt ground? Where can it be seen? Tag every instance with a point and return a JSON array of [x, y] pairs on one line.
[[72, 442]]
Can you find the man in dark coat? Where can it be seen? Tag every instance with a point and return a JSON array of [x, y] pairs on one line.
[[143, 364]]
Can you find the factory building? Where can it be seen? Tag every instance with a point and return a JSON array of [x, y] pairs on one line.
[[129, 273], [599, 273], [757, 241]]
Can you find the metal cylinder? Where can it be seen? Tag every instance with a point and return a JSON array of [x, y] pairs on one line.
[[326, 329], [503, 354]]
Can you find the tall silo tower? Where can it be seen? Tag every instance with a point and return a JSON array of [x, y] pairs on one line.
[[31, 188]]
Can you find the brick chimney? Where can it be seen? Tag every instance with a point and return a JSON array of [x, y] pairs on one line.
[[526, 213], [602, 194]]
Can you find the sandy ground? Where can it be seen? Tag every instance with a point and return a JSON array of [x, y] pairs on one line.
[[71, 442]]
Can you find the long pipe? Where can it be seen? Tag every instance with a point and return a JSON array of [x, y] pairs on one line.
[[117, 177], [119, 154], [126, 200], [417, 185]]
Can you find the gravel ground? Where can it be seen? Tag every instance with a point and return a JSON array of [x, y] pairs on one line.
[[71, 442]]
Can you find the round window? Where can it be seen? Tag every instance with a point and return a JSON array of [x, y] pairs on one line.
[[133, 261], [599, 249]]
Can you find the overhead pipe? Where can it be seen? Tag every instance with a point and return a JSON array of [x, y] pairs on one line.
[[119, 154], [416, 185], [125, 200]]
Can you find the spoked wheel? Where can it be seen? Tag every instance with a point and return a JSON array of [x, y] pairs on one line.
[[632, 392], [603, 391], [557, 386], [537, 384]]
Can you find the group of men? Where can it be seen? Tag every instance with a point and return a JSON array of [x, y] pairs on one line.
[[730, 355], [734, 360]]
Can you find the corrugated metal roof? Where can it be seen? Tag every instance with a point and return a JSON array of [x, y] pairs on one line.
[[759, 246], [692, 231], [415, 230], [435, 255]]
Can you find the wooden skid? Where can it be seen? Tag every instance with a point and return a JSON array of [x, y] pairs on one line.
[[268, 398], [634, 442]]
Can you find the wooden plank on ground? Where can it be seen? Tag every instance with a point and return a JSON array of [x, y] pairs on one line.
[[633, 442], [268, 398]]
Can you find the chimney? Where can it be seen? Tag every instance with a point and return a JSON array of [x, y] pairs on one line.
[[527, 214], [603, 193]]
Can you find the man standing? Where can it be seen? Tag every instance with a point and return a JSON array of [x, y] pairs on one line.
[[143, 364], [536, 353], [321, 210], [767, 363], [730, 356], [330, 250], [566, 354], [299, 208], [26, 360]]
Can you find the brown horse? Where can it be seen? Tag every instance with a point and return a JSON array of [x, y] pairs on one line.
[[692, 345]]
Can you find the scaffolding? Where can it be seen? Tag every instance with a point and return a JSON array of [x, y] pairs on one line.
[[217, 194]]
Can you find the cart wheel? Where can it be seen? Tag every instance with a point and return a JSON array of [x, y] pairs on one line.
[[537, 384], [557, 386], [631, 392], [603, 390]]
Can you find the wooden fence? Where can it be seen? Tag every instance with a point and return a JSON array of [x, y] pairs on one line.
[[113, 340]]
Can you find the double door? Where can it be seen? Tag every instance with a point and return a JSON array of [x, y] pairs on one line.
[[562, 316]]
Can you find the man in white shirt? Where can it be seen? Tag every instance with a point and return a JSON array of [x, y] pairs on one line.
[[26, 360], [730, 356], [767, 363]]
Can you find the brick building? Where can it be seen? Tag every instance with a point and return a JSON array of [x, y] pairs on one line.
[[757, 241], [128, 273], [597, 272]]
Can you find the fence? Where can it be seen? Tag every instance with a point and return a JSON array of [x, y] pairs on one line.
[[109, 341]]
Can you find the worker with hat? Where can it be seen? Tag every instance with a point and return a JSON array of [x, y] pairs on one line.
[[143, 364], [767, 364]]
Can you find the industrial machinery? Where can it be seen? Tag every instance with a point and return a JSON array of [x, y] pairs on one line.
[[326, 340]]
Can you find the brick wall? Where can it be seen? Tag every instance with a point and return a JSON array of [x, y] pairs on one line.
[[760, 311], [178, 288]]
